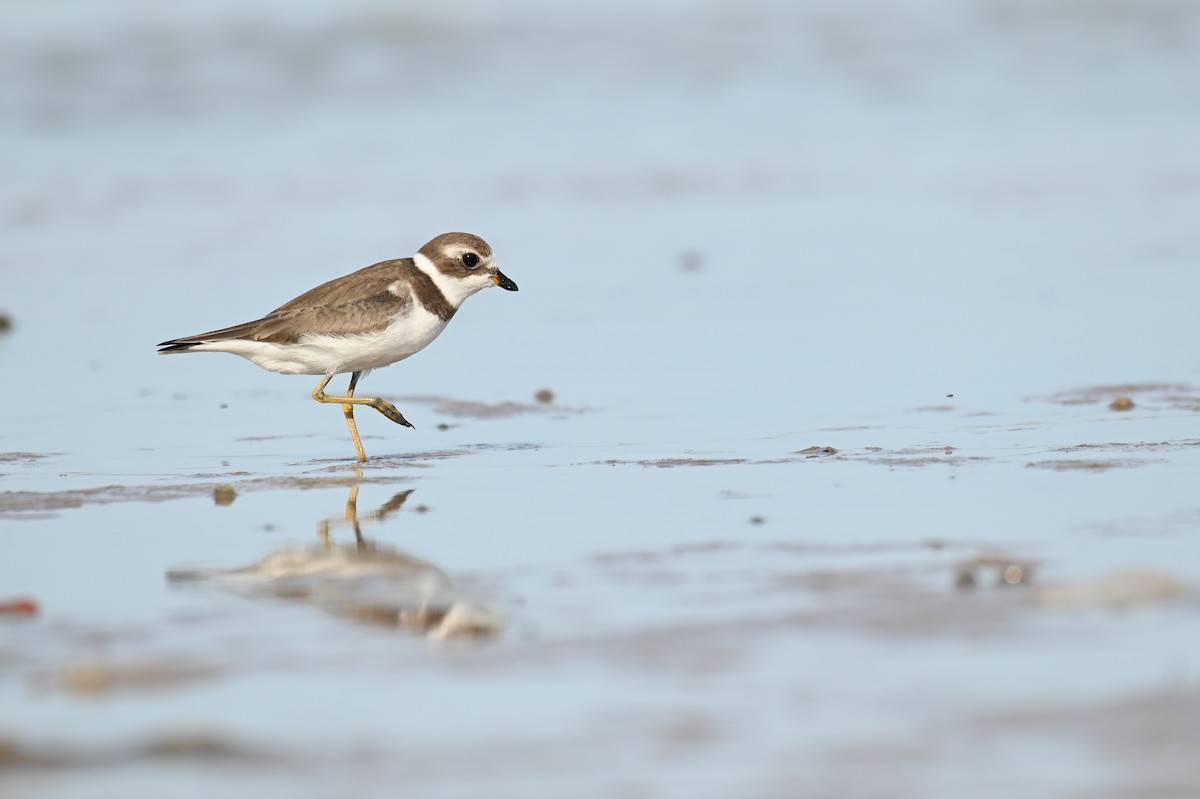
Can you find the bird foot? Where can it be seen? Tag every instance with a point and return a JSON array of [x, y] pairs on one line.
[[390, 411]]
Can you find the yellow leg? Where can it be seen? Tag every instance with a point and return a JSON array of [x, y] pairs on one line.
[[348, 410], [349, 401]]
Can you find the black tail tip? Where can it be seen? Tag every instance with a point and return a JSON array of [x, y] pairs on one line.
[[168, 347]]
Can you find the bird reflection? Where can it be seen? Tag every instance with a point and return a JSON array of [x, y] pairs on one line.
[[326, 526], [364, 580]]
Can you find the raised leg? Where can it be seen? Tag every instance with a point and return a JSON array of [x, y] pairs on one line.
[[349, 401]]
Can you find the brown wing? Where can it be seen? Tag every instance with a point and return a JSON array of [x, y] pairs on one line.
[[358, 302]]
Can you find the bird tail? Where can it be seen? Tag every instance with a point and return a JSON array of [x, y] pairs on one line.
[[188, 343], [170, 347]]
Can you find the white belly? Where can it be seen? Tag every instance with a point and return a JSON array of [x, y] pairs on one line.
[[327, 354]]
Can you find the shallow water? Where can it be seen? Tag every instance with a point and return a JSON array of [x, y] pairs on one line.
[[833, 301]]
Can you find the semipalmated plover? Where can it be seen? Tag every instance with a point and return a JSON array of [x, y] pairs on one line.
[[368, 319]]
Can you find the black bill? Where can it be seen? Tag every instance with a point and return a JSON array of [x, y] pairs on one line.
[[503, 282]]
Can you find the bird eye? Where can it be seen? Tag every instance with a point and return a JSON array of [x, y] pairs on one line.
[[470, 260]]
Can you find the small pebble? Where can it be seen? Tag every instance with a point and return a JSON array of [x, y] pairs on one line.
[[1013, 574], [691, 261], [544, 396]]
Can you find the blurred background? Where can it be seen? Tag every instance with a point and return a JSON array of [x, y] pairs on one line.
[[740, 229], [979, 193]]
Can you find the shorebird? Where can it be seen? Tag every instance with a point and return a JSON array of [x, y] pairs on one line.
[[367, 319]]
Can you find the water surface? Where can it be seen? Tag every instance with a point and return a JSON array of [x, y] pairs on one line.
[[833, 301]]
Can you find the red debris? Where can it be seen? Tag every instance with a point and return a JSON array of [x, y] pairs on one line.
[[19, 606]]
